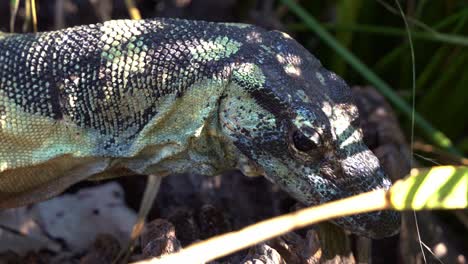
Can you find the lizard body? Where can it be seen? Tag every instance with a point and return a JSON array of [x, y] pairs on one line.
[[170, 96]]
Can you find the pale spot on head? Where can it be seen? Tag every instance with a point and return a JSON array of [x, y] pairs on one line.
[[254, 37], [290, 63], [349, 140], [285, 35], [381, 112], [301, 94], [292, 70], [333, 76], [327, 108], [237, 25], [340, 121], [280, 58], [289, 59], [320, 78]]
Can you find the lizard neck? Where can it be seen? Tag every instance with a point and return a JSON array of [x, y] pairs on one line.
[[184, 136]]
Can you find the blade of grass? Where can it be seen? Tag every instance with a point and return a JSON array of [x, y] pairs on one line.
[[451, 86], [414, 21], [435, 135], [413, 78], [393, 31], [133, 10], [420, 8], [457, 99], [437, 62], [413, 105], [443, 71], [396, 53], [27, 16], [439, 88], [463, 145], [14, 4], [347, 13], [34, 14]]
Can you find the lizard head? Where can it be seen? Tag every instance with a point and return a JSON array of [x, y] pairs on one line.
[[296, 122]]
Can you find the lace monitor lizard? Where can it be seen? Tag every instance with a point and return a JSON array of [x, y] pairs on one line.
[[166, 96]]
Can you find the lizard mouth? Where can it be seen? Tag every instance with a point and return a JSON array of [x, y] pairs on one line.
[[375, 225], [355, 174]]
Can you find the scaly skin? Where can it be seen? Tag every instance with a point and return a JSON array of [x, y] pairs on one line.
[[171, 96]]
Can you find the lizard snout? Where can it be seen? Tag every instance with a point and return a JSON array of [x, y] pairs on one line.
[[361, 173]]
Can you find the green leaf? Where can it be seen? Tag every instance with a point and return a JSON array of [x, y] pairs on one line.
[[444, 187]]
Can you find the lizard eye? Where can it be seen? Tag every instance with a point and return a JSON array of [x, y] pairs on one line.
[[304, 143]]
